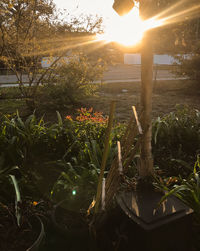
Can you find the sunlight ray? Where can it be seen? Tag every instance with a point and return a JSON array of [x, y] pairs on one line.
[[66, 39], [167, 11], [59, 49], [125, 32], [180, 16]]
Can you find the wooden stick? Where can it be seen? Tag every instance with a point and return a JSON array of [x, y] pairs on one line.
[[129, 143], [103, 194], [130, 124], [137, 120], [134, 151], [105, 155], [120, 168], [111, 171]]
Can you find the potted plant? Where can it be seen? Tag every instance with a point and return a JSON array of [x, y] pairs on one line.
[[146, 224], [20, 228]]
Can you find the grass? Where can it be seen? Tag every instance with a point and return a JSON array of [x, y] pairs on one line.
[[8, 106], [166, 95]]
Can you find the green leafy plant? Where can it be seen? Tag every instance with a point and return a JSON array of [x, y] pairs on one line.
[[187, 190], [76, 185], [176, 140], [17, 221], [70, 82], [80, 174], [88, 124], [188, 65], [68, 148]]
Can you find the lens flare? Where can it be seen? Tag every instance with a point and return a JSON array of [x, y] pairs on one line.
[[74, 192], [129, 30]]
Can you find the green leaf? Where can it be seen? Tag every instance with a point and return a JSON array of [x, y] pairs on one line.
[[29, 120], [183, 163], [17, 200], [7, 171], [19, 120], [60, 121], [174, 191]]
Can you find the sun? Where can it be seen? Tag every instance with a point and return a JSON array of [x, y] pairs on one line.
[[127, 30]]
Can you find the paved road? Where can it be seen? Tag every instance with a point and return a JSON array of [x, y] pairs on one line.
[[133, 72], [119, 73]]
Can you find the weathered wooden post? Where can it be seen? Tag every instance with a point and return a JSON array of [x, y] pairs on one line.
[[122, 7], [146, 160]]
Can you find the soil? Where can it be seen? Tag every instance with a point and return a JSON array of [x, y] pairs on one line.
[[73, 231], [69, 221], [14, 238]]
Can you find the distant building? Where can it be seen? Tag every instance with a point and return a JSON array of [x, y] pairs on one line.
[[158, 59], [48, 61], [132, 59]]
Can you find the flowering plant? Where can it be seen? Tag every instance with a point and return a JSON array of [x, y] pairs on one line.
[[88, 115]]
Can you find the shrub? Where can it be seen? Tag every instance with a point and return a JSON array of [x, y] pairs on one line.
[[176, 140], [70, 82], [189, 66], [88, 124]]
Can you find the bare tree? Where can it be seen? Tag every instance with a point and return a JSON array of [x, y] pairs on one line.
[[24, 25], [31, 30]]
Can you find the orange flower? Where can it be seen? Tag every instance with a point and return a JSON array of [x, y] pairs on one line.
[[90, 116], [35, 203], [68, 117]]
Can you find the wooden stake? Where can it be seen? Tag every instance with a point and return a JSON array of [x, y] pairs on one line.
[[137, 120], [105, 155], [120, 168]]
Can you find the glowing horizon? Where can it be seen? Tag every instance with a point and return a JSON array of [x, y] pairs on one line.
[[123, 30]]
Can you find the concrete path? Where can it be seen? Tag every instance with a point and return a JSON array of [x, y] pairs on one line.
[[119, 73]]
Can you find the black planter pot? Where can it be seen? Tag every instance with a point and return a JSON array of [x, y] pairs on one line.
[[149, 227], [138, 224]]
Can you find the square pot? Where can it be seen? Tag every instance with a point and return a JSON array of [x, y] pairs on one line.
[[149, 227]]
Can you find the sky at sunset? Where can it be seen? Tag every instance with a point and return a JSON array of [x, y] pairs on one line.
[[127, 30], [116, 28], [101, 7]]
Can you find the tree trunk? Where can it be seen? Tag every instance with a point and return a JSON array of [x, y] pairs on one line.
[[146, 160]]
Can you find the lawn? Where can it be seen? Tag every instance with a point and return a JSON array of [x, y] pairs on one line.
[[166, 95]]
